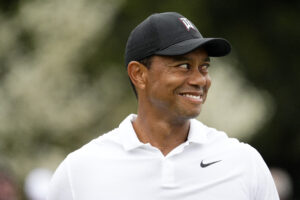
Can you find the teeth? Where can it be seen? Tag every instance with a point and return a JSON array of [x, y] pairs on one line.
[[192, 96]]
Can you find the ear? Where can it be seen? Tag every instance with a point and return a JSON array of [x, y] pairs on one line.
[[137, 73]]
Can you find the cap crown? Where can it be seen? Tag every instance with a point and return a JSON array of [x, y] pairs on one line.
[[158, 32]]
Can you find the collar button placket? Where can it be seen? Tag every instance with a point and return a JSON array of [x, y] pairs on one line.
[[168, 173]]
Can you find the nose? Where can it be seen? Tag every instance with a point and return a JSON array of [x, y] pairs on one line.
[[197, 79]]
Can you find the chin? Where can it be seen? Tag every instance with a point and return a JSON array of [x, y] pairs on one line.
[[190, 115]]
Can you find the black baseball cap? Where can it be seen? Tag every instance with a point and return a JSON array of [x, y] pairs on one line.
[[170, 34]]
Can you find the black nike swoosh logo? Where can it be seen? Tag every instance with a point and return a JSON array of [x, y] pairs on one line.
[[203, 165]]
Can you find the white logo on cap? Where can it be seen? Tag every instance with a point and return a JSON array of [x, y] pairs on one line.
[[187, 23]]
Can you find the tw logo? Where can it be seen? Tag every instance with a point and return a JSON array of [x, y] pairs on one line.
[[188, 25]]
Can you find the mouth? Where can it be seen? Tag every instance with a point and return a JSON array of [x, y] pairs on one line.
[[196, 97]]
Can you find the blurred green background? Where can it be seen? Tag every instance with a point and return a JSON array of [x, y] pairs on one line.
[[63, 81]]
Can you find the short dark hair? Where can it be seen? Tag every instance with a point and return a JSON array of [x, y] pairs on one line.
[[147, 63]]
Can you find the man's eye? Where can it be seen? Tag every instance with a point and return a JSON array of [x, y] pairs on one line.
[[184, 66], [204, 67]]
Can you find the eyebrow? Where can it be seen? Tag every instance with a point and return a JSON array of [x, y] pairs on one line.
[[207, 59], [183, 58]]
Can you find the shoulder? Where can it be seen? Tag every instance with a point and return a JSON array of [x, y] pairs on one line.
[[104, 145], [84, 160], [107, 146], [218, 141]]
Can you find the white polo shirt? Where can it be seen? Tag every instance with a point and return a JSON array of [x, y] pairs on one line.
[[208, 166]]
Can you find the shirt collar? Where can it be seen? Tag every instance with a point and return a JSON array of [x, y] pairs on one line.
[[197, 133], [128, 135]]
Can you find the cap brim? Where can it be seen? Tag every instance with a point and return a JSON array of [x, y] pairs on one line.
[[215, 47]]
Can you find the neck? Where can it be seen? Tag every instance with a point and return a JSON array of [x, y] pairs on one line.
[[161, 131]]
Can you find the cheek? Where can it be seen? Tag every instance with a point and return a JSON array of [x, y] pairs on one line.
[[167, 81], [208, 82], [174, 81]]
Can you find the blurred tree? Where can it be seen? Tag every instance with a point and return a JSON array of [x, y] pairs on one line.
[[9, 7], [47, 106]]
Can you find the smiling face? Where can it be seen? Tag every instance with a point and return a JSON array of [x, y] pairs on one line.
[[177, 85]]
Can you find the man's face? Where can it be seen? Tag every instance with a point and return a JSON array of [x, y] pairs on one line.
[[178, 85]]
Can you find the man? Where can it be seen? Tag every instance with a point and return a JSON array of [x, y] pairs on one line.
[[162, 152]]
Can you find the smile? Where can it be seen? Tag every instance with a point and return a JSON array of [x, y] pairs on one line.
[[192, 96], [198, 98]]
